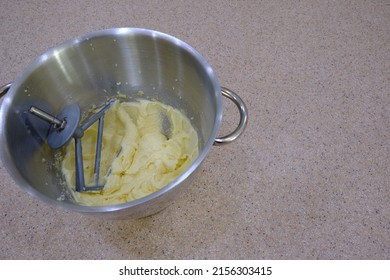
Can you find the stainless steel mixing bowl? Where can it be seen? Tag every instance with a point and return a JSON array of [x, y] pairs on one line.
[[89, 69]]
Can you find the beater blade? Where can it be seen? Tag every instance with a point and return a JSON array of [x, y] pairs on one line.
[[66, 125]]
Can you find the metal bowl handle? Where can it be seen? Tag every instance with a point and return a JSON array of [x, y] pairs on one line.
[[4, 89], [243, 118]]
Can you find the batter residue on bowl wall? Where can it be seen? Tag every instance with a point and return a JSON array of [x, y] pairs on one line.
[[139, 155]]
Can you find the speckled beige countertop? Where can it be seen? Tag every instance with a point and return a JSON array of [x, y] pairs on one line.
[[310, 177]]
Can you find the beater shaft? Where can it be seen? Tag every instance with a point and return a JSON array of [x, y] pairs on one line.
[[47, 117]]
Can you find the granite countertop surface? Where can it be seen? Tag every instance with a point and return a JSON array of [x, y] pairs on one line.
[[308, 179]]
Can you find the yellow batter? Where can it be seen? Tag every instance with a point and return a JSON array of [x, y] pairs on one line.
[[137, 155]]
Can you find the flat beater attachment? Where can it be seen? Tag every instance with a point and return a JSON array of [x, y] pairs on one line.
[[66, 125]]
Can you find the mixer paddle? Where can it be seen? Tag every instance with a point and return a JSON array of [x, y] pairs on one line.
[[66, 125]]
